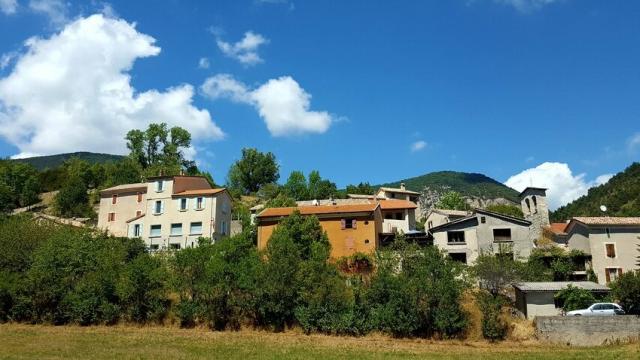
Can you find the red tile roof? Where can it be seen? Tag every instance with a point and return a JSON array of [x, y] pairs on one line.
[[200, 192], [558, 228], [317, 210], [397, 204]]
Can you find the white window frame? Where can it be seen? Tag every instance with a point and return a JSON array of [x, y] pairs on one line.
[[159, 186], [137, 233], [191, 228], [186, 204], [171, 233], [155, 207], [199, 205], [151, 235]]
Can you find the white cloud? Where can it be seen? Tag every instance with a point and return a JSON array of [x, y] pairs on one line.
[[8, 6], [633, 143], [72, 92], [281, 103], [203, 63], [418, 145], [56, 10], [563, 186], [526, 6], [245, 50]]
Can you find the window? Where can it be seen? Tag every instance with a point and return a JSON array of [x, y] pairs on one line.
[[199, 203], [535, 204], [114, 199], [501, 234], [154, 247], [111, 216], [608, 232], [174, 246], [183, 204], [159, 186], [455, 237], [158, 207], [460, 257], [388, 216], [176, 229], [196, 228], [155, 231], [612, 274], [137, 230], [139, 197], [392, 195], [348, 224], [611, 250], [430, 224], [399, 216], [528, 206], [483, 219]]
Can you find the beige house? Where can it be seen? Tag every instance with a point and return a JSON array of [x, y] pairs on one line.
[[437, 217], [612, 243], [169, 212], [464, 239]]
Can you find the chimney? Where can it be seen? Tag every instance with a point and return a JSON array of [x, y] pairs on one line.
[[402, 187]]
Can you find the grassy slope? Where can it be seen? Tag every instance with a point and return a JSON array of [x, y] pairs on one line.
[[51, 161], [621, 196], [468, 184], [69, 342]]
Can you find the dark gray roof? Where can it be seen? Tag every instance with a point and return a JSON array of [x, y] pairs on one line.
[[559, 285]]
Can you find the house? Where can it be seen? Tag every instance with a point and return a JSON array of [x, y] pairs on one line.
[[437, 217], [464, 239], [350, 228], [611, 242], [398, 193], [167, 212], [538, 298]]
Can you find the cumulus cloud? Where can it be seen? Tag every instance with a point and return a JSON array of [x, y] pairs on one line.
[[563, 186], [73, 92], [526, 6], [282, 104], [245, 50], [203, 63], [418, 145], [8, 6], [56, 10]]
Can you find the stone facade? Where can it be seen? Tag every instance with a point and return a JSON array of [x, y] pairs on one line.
[[587, 330]]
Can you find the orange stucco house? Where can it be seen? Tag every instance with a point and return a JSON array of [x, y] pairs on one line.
[[351, 228]]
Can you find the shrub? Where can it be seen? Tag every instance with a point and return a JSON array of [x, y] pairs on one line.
[[493, 327], [574, 298], [626, 289]]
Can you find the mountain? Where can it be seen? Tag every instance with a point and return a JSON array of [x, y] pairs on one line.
[[470, 185], [620, 195], [52, 161]]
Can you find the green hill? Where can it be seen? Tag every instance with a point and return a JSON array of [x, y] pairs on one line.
[[52, 161], [467, 184], [621, 196]]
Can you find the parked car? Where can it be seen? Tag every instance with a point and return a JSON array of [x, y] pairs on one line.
[[598, 309]]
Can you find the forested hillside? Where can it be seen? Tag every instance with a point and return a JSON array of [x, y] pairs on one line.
[[53, 161], [467, 184], [621, 196]]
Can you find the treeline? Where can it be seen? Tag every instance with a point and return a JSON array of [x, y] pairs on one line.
[[60, 275]]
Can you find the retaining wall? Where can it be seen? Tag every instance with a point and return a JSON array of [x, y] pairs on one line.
[[587, 330]]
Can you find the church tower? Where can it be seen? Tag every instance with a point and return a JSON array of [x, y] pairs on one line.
[[534, 207]]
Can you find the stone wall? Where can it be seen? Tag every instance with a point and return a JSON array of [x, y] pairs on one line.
[[587, 330]]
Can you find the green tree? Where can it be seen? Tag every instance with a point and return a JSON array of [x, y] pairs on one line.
[[296, 186], [626, 289], [362, 188], [160, 149], [319, 188], [574, 298], [73, 200], [510, 210], [254, 170], [281, 200], [452, 201]]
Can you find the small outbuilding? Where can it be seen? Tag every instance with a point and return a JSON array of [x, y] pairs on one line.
[[538, 298]]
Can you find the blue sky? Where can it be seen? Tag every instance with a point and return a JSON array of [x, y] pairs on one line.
[[375, 90]]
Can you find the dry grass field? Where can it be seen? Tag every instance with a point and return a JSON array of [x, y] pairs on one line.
[[126, 342]]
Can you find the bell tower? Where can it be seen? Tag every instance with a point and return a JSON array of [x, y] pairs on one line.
[[534, 207]]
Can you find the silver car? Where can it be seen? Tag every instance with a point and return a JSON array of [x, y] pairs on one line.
[[598, 309]]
